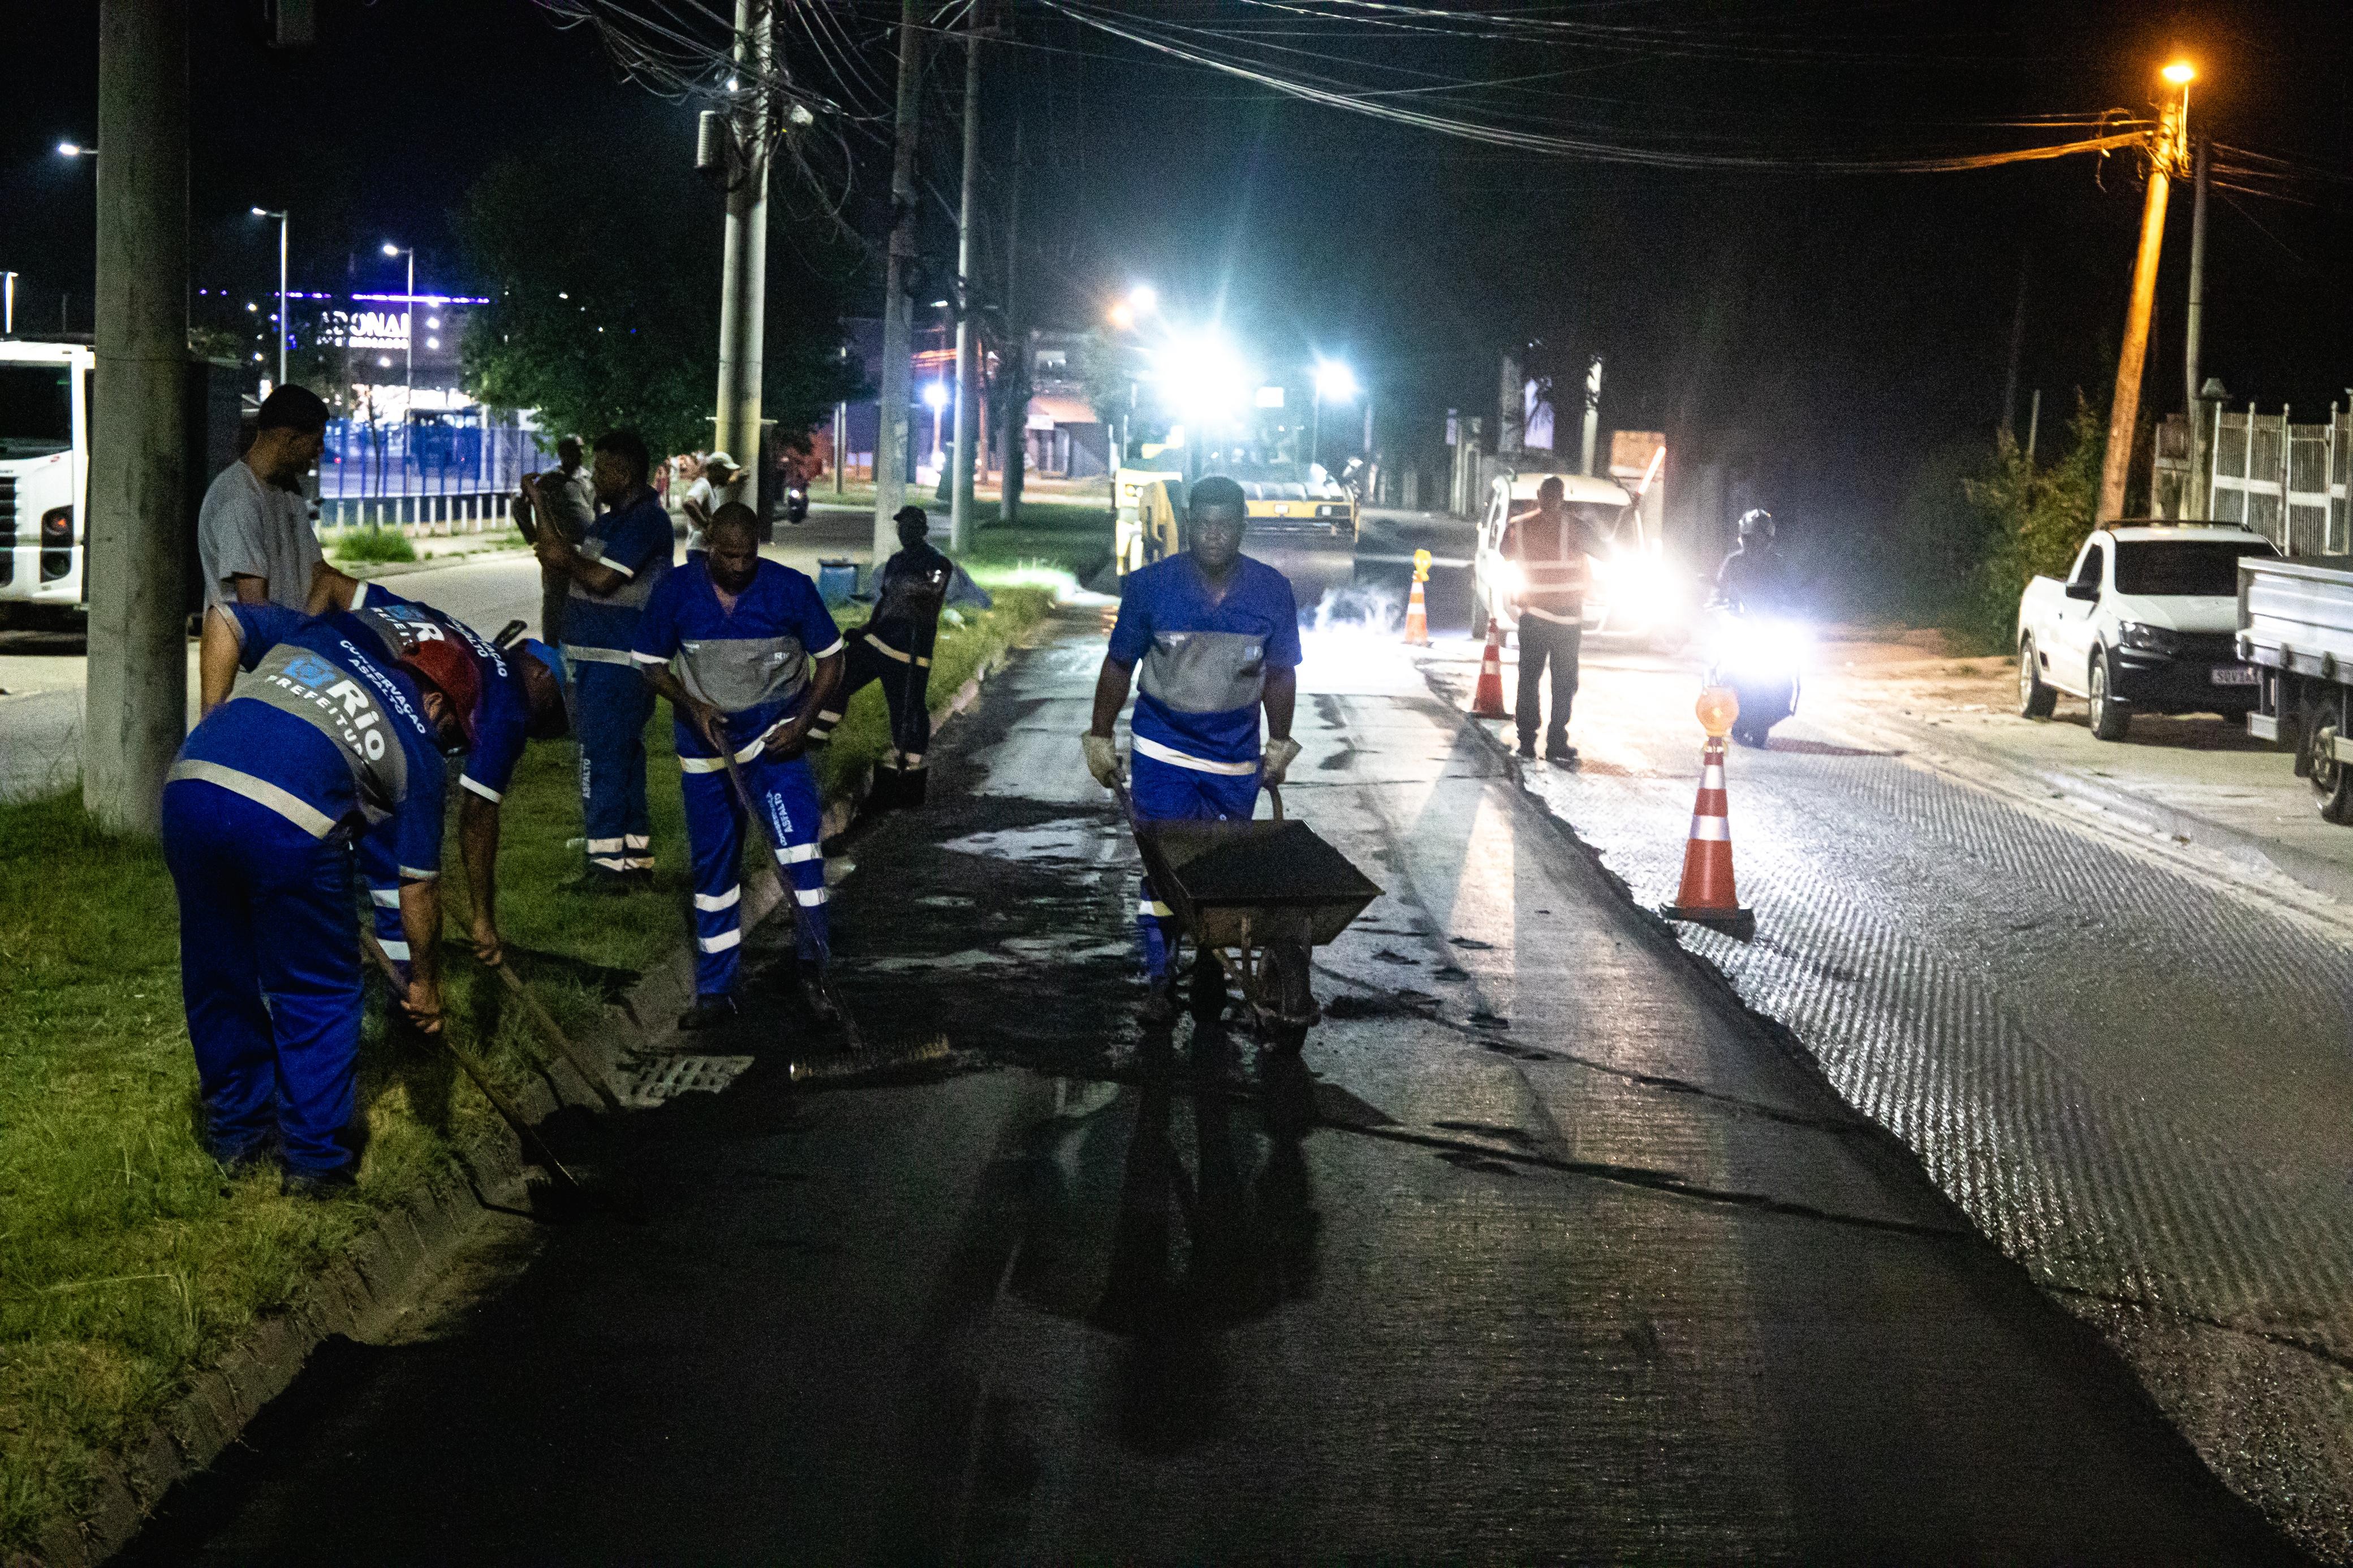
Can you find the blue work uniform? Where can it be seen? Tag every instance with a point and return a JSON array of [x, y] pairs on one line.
[[1196, 726], [896, 648], [753, 662], [501, 721], [610, 705], [322, 740]]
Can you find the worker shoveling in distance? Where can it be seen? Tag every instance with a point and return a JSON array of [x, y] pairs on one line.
[[1216, 633], [748, 656], [316, 731]]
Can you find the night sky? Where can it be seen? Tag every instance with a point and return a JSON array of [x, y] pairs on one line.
[[1848, 327]]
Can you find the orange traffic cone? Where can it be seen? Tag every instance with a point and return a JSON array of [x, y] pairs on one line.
[[1416, 619], [1707, 897], [1487, 701]]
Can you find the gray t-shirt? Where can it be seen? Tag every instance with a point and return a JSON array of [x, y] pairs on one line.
[[248, 528], [571, 499]]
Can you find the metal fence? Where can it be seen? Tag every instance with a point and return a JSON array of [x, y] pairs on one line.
[[433, 477], [2263, 471]]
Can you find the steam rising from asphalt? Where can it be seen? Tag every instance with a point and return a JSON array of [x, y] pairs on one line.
[[1359, 607]]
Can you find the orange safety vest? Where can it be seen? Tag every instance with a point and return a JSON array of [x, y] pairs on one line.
[[1552, 565]]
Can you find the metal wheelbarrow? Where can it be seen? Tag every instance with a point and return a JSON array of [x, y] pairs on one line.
[[1255, 897]]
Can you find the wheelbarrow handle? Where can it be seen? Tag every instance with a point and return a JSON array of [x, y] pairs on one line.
[[1274, 793]]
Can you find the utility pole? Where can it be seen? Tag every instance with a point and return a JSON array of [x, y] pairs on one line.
[[743, 271], [2124, 408], [968, 337], [897, 310], [1015, 372], [1592, 417], [2194, 499], [1511, 406], [137, 705], [2008, 421], [8, 319]]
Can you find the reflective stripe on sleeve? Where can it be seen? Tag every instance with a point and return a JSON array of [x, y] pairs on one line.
[[479, 788], [1152, 909], [385, 898], [395, 949], [646, 657], [359, 596], [827, 653], [579, 655], [1176, 759], [610, 564], [412, 874]]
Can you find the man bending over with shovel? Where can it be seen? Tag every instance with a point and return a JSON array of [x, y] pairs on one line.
[[1218, 635]]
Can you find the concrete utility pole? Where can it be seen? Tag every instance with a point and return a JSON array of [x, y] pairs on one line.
[[744, 273], [2008, 421], [967, 336], [1592, 417], [137, 704], [1015, 372], [897, 310], [2124, 408], [1511, 406], [2194, 500]]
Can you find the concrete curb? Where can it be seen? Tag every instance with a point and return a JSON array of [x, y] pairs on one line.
[[379, 1278]]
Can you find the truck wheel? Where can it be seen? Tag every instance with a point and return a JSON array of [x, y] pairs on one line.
[[2035, 701], [2332, 780], [1478, 616], [2110, 717]]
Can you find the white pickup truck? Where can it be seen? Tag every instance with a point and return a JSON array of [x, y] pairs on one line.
[[2146, 621]]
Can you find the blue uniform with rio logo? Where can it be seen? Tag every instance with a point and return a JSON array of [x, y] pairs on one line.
[[323, 740]]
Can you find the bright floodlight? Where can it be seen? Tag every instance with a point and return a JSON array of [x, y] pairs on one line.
[[1204, 377], [936, 394], [1145, 298], [1122, 316], [2181, 73], [390, 248], [1334, 382]]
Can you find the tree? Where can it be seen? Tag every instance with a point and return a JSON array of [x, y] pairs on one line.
[[2036, 520], [605, 306]]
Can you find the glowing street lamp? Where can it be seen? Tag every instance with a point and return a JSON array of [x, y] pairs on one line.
[[284, 326], [1143, 298], [75, 150], [1335, 381], [2181, 73], [936, 394]]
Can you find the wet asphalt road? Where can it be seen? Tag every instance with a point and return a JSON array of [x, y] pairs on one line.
[[1545, 1249]]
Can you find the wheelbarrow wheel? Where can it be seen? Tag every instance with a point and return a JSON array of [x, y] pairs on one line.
[[1288, 1008], [1208, 987]]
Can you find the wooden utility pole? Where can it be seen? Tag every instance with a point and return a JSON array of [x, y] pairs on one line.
[[138, 691], [967, 301], [897, 310], [2124, 409]]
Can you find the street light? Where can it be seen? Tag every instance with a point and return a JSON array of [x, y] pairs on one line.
[[1143, 298], [936, 395], [8, 311], [76, 149], [2181, 73], [408, 363], [284, 326]]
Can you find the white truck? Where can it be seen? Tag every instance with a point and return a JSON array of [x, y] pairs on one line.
[[2146, 621], [46, 398], [2296, 627]]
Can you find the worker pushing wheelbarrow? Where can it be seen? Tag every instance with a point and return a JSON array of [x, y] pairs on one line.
[[1216, 635]]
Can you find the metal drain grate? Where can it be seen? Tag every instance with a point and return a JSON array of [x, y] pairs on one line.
[[672, 1076]]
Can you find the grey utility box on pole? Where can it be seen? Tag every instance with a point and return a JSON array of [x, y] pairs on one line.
[[138, 689]]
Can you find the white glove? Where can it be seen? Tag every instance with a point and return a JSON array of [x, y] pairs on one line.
[[1103, 759], [1280, 755]]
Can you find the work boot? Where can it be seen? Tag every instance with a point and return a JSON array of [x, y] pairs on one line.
[[1528, 749], [708, 1012], [597, 883], [324, 1185], [819, 1004], [1159, 1009], [1562, 752]]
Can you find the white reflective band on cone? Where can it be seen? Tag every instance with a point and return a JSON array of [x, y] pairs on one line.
[[726, 901], [1711, 827], [1712, 776], [720, 942]]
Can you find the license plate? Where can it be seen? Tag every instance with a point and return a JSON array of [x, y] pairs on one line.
[[2235, 675]]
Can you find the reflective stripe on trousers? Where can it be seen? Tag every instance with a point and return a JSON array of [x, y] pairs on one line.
[[612, 704], [787, 795]]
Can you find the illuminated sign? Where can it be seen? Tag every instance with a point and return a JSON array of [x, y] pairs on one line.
[[364, 328]]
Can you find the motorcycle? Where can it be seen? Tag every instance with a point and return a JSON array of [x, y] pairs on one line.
[[1761, 657], [797, 501]]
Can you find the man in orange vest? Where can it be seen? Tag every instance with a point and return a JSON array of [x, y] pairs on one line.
[[1548, 546]]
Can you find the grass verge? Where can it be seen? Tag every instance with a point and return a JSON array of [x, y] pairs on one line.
[[377, 544], [127, 1259]]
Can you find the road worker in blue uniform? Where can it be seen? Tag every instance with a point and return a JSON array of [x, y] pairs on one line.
[[613, 572], [521, 699], [895, 647], [747, 655], [1216, 633], [313, 734]]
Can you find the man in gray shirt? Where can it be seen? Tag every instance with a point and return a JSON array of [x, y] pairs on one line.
[[254, 535], [569, 500]]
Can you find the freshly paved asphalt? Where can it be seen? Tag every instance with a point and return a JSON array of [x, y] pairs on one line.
[[1546, 1249]]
